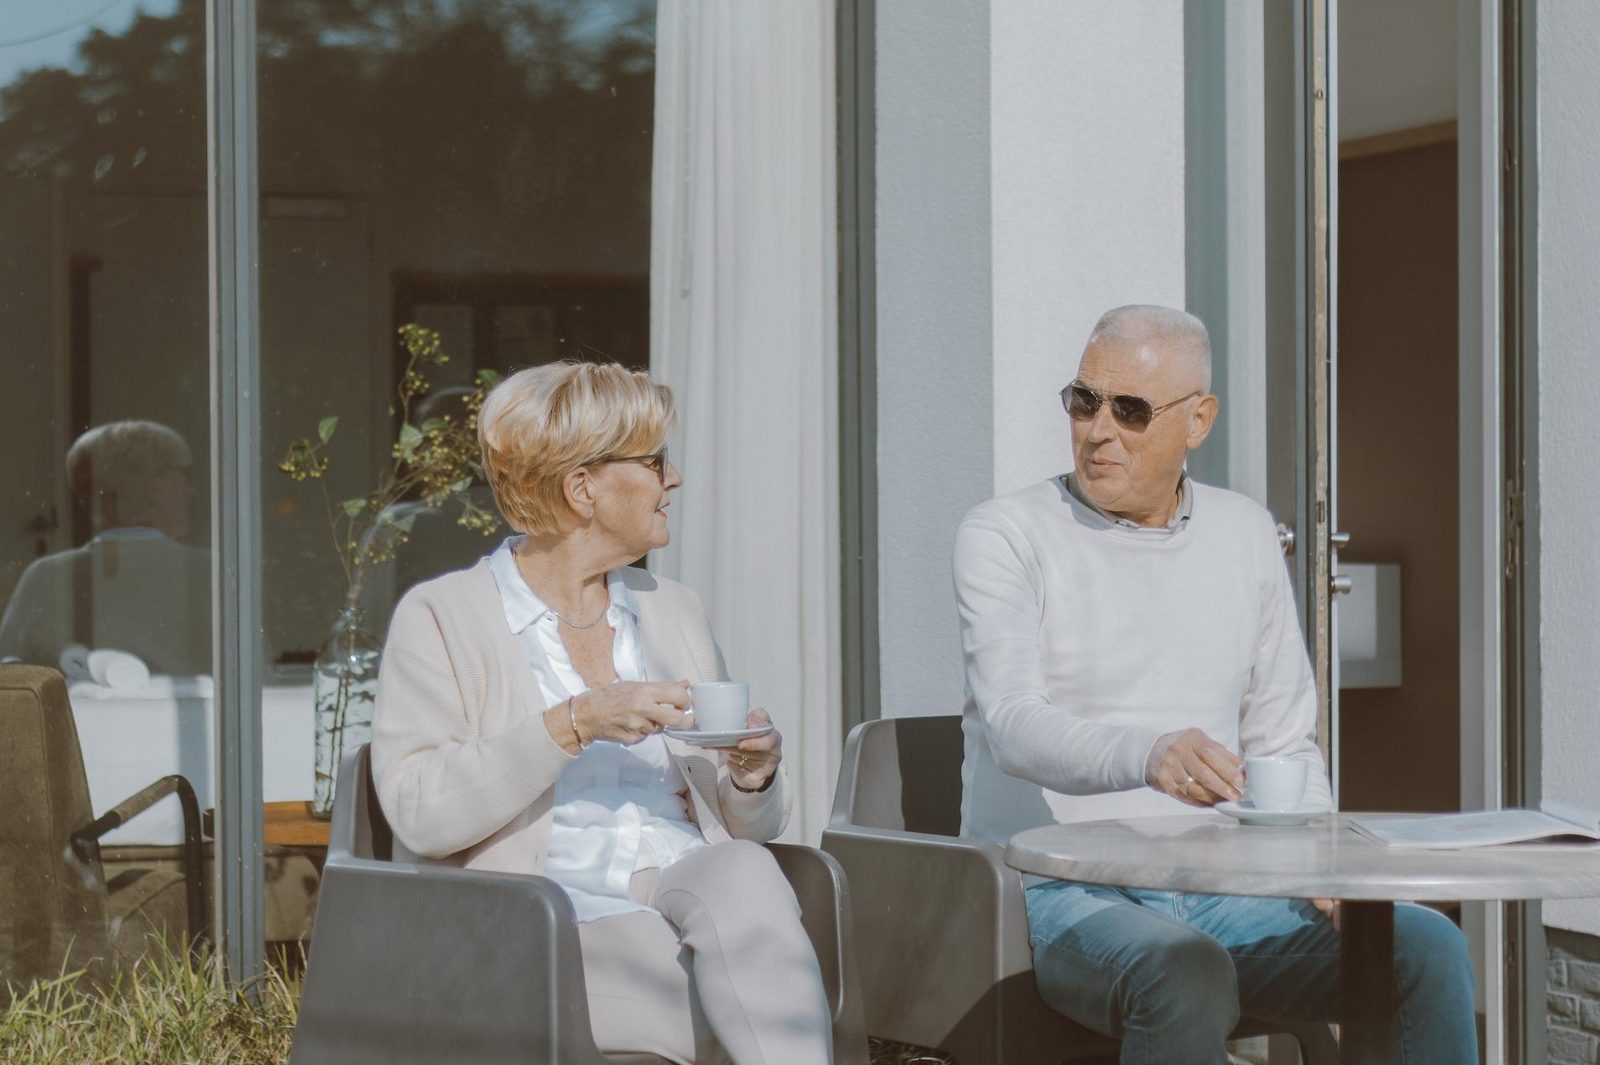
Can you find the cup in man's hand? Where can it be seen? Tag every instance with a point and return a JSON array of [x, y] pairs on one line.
[[1274, 783], [720, 705]]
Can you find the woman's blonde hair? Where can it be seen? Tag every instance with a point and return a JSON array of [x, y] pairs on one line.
[[540, 424]]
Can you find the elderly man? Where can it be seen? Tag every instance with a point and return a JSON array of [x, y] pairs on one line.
[[1130, 635], [134, 586]]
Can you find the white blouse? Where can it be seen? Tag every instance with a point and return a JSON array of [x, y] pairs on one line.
[[618, 808]]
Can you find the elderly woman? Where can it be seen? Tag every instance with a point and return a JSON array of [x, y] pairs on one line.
[[519, 728]]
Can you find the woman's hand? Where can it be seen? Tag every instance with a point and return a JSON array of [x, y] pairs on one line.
[[624, 712], [753, 761]]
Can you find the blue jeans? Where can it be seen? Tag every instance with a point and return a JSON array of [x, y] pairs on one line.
[[1169, 973]]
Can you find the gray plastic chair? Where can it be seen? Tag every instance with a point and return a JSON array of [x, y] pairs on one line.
[[429, 965], [942, 930]]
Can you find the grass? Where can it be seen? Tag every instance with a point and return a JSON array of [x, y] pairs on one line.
[[165, 1009], [170, 1008]]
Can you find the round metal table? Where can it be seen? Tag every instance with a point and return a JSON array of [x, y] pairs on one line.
[[1327, 858]]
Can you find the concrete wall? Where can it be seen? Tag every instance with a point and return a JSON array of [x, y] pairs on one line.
[[935, 423], [1087, 188], [1569, 431], [1030, 175]]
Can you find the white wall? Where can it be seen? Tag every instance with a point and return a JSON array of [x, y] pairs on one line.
[[935, 437], [1030, 176], [1086, 113], [1569, 429]]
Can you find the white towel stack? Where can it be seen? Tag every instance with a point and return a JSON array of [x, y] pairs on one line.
[[117, 670], [106, 673]]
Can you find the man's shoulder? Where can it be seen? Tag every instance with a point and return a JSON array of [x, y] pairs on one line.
[[1224, 506], [1017, 507]]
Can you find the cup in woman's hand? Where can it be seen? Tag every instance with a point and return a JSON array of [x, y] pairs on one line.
[[720, 705]]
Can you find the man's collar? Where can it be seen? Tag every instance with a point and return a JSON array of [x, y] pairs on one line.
[[523, 608], [1180, 515], [127, 533]]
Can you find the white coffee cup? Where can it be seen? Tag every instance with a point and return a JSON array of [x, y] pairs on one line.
[[1274, 783], [720, 705]]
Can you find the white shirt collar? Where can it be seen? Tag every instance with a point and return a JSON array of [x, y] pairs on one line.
[[1177, 523], [128, 532], [523, 608]]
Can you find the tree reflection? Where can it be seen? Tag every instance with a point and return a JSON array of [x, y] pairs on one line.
[[520, 101]]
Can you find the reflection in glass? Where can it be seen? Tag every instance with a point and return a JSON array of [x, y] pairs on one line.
[[481, 169], [104, 561], [135, 587]]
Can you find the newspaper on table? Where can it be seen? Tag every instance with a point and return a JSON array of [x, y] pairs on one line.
[[1484, 828]]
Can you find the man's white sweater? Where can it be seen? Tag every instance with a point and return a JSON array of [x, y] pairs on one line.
[[1086, 640]]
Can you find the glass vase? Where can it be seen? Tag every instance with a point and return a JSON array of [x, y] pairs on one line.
[[345, 686]]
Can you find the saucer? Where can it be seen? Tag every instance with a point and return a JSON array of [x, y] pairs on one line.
[[1249, 815], [696, 738]]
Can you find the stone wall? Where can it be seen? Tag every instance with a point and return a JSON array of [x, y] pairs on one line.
[[1574, 998]]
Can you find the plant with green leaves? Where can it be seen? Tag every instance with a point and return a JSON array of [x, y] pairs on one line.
[[436, 462]]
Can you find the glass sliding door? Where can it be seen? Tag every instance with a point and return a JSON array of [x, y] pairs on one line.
[[480, 170], [1259, 199], [105, 564]]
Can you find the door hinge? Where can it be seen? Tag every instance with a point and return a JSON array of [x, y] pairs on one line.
[[1515, 505]]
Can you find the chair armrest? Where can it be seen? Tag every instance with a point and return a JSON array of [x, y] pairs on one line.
[[85, 841], [433, 964], [820, 885], [941, 930]]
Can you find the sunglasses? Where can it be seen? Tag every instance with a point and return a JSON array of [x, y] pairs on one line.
[[655, 462], [1133, 412]]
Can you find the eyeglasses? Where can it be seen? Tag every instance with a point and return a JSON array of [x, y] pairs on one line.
[[1134, 412], [655, 462]]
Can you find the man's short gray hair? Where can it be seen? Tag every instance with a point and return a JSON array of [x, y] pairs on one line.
[[113, 467], [1173, 330]]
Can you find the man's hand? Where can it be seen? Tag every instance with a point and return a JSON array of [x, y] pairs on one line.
[[1194, 768], [1329, 909]]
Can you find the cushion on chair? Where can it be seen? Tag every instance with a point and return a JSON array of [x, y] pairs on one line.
[[57, 911], [52, 906]]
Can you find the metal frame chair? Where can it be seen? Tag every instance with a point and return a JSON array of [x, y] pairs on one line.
[[942, 929], [63, 914], [430, 964]]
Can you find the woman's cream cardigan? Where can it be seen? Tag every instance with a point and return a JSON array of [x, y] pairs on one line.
[[464, 766]]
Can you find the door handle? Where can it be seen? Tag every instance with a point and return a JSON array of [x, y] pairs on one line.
[[1340, 583], [1286, 538]]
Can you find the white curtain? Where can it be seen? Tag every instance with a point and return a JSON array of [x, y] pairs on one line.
[[743, 327]]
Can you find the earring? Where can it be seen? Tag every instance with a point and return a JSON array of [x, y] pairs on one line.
[[589, 515]]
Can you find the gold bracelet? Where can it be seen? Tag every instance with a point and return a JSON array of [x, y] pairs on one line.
[[572, 716]]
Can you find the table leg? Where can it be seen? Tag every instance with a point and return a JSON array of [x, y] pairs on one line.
[[1366, 982]]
